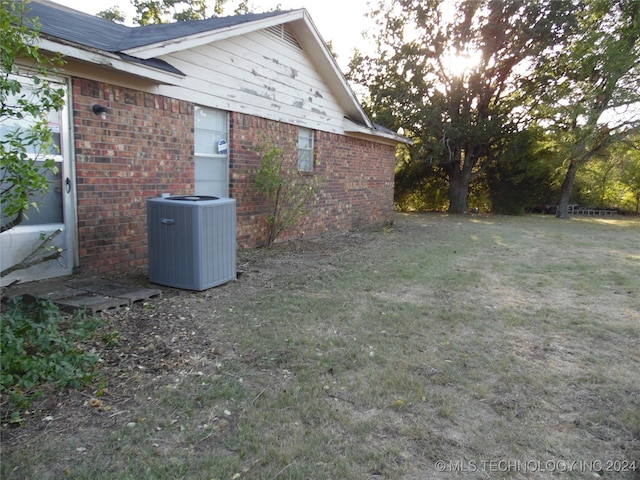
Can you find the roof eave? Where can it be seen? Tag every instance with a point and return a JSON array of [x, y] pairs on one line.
[[109, 60], [355, 129]]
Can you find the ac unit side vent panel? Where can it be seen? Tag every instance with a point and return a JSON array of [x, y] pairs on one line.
[[192, 244]]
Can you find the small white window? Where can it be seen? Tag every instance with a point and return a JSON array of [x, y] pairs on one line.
[[305, 150], [211, 151]]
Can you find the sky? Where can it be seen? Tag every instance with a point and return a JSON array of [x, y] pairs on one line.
[[340, 22]]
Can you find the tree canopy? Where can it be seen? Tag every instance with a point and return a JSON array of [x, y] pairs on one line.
[[466, 78], [149, 12], [591, 86], [461, 116]]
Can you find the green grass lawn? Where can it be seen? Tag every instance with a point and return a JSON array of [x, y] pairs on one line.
[[443, 347]]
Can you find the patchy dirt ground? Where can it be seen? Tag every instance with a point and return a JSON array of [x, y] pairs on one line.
[[162, 336]]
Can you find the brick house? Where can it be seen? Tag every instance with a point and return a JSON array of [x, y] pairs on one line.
[[180, 108]]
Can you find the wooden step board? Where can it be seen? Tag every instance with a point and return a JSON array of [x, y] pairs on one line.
[[92, 294]]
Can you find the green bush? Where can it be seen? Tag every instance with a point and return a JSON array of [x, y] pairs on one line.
[[42, 346], [288, 192]]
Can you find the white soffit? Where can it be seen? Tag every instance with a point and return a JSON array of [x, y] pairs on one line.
[[110, 60]]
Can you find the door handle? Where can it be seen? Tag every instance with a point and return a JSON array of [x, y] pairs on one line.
[[67, 183]]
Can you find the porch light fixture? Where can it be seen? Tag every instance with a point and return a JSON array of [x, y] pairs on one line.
[[100, 110]]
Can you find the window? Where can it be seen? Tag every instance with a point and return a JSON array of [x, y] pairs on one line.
[[211, 152], [49, 208], [305, 150]]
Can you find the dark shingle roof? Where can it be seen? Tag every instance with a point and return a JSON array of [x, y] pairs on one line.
[[76, 27], [151, 34], [80, 28]]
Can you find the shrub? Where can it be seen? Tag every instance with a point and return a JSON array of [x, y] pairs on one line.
[[288, 192], [42, 346]]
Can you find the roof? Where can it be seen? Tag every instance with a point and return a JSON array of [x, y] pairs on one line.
[[64, 23], [71, 31], [78, 27]]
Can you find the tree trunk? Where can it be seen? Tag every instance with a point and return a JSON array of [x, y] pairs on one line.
[[565, 190], [458, 192]]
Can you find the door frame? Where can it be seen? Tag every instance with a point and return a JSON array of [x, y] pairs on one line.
[[18, 242]]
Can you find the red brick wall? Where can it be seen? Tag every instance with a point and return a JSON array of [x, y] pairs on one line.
[[355, 180], [145, 147]]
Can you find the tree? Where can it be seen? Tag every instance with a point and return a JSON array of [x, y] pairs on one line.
[[601, 174], [244, 8], [113, 14], [25, 93], [460, 118], [630, 175], [591, 94], [151, 12], [164, 11], [524, 176]]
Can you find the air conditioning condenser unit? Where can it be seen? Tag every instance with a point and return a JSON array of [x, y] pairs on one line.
[[192, 241]]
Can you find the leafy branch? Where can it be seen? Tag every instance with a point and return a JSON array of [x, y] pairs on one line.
[[26, 98]]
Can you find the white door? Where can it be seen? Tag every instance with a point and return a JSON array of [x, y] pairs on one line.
[[55, 209], [211, 152]]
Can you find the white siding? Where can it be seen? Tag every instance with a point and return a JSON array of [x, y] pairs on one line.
[[257, 74]]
